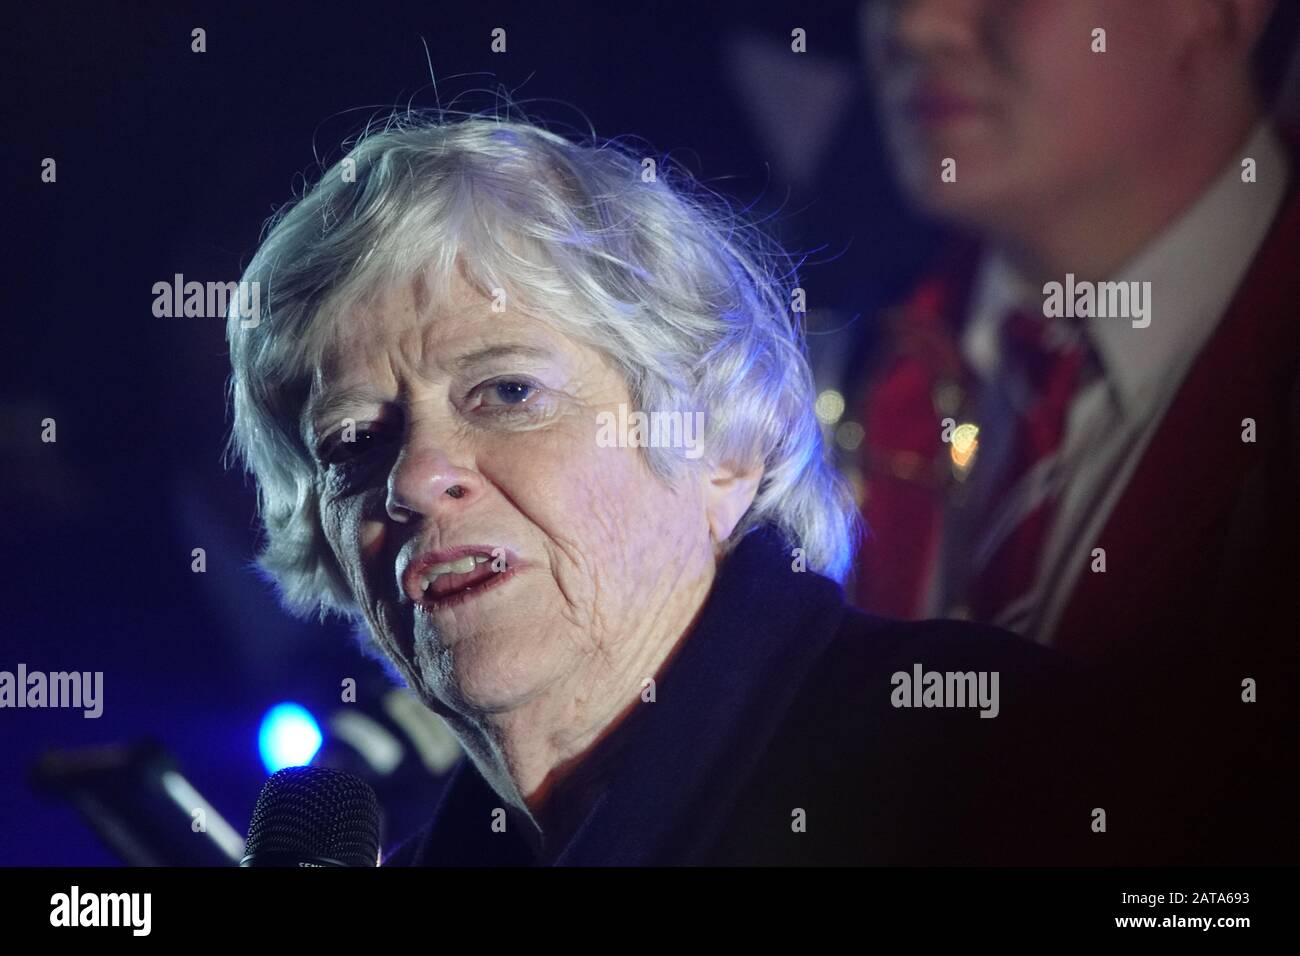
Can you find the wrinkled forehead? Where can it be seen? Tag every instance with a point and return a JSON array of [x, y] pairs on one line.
[[402, 333], [413, 328], [397, 316]]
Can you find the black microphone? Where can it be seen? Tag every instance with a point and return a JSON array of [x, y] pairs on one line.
[[313, 816]]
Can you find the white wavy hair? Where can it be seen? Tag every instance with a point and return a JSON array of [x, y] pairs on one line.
[[686, 295]]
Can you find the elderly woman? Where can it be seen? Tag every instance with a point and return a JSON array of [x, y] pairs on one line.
[[469, 405]]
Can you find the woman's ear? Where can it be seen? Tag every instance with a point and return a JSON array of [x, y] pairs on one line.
[[728, 494]]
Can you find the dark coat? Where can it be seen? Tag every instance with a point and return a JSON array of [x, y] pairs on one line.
[[780, 701]]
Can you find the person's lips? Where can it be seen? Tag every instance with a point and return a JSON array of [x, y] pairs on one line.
[[935, 105], [438, 579]]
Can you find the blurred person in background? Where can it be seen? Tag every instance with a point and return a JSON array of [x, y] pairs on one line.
[[1084, 424], [1043, 472]]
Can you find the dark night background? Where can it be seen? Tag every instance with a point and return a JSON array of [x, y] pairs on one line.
[[170, 161]]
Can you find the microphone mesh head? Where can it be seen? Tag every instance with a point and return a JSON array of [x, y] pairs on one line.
[[316, 812]]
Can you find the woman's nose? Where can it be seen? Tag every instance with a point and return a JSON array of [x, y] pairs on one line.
[[929, 28], [425, 483]]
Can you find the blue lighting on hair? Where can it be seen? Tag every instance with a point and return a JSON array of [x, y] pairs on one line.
[[289, 737]]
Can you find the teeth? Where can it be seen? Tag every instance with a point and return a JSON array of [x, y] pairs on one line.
[[459, 566]]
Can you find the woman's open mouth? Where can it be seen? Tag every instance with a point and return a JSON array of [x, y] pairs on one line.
[[453, 582]]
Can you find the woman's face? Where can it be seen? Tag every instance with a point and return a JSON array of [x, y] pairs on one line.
[[501, 410]]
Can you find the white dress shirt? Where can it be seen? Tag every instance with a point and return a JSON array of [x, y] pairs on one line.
[[1195, 267]]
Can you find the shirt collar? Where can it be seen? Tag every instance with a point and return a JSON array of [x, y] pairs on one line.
[[1194, 266]]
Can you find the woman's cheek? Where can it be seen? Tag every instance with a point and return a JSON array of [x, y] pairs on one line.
[[353, 541], [367, 546], [370, 534], [553, 457]]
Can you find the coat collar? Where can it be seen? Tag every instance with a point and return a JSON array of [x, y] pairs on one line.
[[683, 758]]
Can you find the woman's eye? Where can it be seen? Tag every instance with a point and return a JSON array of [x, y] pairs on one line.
[[508, 392], [512, 402], [347, 446]]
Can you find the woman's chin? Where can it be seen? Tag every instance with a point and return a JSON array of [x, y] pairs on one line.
[[490, 673]]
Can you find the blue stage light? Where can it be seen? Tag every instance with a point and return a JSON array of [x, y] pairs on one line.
[[289, 737]]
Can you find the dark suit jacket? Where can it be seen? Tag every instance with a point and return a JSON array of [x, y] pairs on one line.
[[780, 702]]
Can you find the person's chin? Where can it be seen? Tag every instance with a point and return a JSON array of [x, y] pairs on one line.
[[493, 671], [488, 687], [981, 191], [957, 168]]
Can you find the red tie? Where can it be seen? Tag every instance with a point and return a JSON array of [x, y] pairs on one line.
[[1044, 366]]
